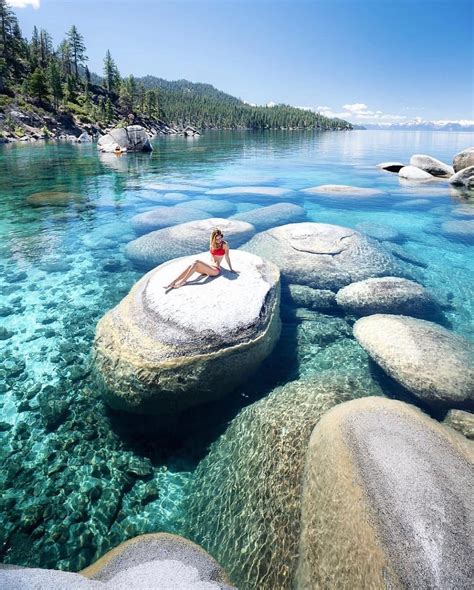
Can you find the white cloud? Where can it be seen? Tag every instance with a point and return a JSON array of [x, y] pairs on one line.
[[24, 3], [359, 111]]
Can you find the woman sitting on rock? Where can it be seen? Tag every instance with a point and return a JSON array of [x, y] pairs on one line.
[[218, 249]]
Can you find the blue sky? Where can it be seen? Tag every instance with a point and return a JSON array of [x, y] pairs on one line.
[[367, 61]]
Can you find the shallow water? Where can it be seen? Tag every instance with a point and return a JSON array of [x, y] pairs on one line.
[[77, 480]]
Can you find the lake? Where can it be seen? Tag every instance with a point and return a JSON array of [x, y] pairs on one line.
[[77, 479]]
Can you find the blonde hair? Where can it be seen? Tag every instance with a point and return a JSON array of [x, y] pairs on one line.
[[212, 242]]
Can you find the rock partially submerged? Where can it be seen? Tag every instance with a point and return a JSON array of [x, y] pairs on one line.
[[463, 159], [391, 166], [414, 173], [436, 365], [386, 496], [266, 217], [162, 352], [323, 256], [161, 217], [133, 138], [337, 192], [55, 199], [317, 299], [464, 178], [461, 421], [431, 165], [387, 295], [159, 246], [160, 560]]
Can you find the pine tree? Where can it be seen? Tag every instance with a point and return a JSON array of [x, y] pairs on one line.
[[55, 83], [11, 45], [45, 48], [78, 49], [109, 111], [38, 84], [111, 74], [65, 58]]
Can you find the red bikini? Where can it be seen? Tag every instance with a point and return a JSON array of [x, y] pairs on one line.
[[217, 252]]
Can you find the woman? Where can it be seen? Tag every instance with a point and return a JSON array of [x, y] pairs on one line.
[[218, 249]]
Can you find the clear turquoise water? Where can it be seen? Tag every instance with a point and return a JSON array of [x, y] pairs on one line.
[[77, 480]]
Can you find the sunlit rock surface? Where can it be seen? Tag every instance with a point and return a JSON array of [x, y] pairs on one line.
[[185, 238], [431, 165], [163, 351], [323, 256], [387, 498], [433, 363], [463, 159]]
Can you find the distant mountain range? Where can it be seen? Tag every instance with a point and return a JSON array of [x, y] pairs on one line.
[[421, 125]]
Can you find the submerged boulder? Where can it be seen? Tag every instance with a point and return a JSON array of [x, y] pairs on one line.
[[387, 295], [332, 193], [212, 206], [182, 240], [160, 217], [323, 256], [318, 299], [55, 199], [266, 217], [386, 494], [157, 560], [431, 165], [461, 421], [463, 159], [379, 231], [133, 138], [252, 524], [459, 229], [266, 191], [414, 173], [162, 351], [436, 365]]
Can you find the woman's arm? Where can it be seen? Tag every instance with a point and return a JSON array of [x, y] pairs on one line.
[[227, 257]]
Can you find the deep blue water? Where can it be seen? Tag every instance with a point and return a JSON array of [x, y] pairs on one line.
[[76, 481]]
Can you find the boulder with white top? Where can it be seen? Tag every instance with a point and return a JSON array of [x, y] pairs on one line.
[[163, 351], [463, 159], [387, 295], [159, 246], [414, 173], [431, 165], [391, 166], [158, 560], [433, 363], [133, 138], [464, 178], [323, 256], [263, 218]]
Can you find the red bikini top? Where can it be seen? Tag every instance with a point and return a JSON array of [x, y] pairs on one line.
[[217, 251]]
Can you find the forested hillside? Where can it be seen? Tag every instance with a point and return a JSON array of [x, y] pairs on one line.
[[52, 85]]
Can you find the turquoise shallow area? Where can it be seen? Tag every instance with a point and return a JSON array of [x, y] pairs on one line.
[[76, 481]]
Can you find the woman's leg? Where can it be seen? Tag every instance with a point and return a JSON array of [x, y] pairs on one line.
[[197, 266]]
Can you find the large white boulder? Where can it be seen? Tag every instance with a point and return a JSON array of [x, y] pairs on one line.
[[431, 165], [323, 256], [133, 138], [434, 364], [163, 351], [387, 295], [463, 159], [414, 173], [159, 246]]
